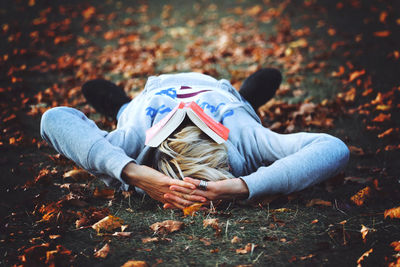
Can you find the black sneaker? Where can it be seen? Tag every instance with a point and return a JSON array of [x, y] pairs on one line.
[[105, 96], [261, 86]]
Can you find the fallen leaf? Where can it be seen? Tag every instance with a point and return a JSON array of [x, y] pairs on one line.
[[393, 213], [166, 227], [248, 248], [317, 201], [359, 180], [103, 252], [360, 197], [354, 75], [314, 221], [356, 150], [150, 239], [382, 34], [395, 245], [103, 193], [108, 223], [78, 175], [214, 250], [132, 263], [382, 117], [364, 255], [192, 209], [206, 241], [364, 231], [235, 240], [281, 210], [385, 133], [211, 222], [122, 234]]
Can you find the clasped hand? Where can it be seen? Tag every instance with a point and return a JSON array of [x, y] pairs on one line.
[[180, 194]]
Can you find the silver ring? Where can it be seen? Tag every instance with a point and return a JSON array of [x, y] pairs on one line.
[[202, 185]]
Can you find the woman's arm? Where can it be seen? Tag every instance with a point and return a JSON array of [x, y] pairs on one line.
[[157, 185], [71, 133], [298, 161]]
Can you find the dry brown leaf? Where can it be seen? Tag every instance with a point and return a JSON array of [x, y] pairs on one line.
[[78, 175], [206, 241], [166, 227], [356, 150], [150, 239], [393, 213], [395, 245], [122, 234], [211, 222], [248, 248], [382, 34], [385, 133], [361, 196], [382, 117], [317, 201], [191, 210], [281, 210], [364, 255], [103, 193], [235, 240], [103, 252], [132, 263], [365, 230], [354, 75], [108, 223]]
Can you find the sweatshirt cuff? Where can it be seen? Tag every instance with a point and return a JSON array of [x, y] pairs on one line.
[[108, 159], [270, 182]]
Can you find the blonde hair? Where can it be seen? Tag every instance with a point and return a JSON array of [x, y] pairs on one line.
[[191, 153]]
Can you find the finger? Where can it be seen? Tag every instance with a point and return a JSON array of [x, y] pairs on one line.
[[169, 206], [190, 197], [196, 182], [195, 192], [182, 183], [178, 201]]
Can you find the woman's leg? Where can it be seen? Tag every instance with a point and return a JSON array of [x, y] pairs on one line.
[[105, 96], [261, 86]]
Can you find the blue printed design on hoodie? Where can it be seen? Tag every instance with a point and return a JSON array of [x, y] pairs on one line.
[[171, 92]]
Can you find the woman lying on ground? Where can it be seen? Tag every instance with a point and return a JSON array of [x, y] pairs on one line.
[[254, 162]]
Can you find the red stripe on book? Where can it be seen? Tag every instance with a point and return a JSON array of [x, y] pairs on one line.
[[217, 127]]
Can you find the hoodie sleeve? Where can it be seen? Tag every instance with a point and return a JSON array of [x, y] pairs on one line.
[[71, 133], [298, 160]]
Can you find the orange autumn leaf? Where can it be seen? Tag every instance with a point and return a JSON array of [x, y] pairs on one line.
[[103, 252], [364, 255], [317, 201], [104, 193], [108, 223], [383, 16], [132, 263], [385, 133], [248, 248], [393, 213], [360, 197], [382, 117], [192, 209], [89, 12], [78, 175], [395, 245], [365, 230], [166, 227], [382, 34], [354, 75], [235, 240], [338, 73], [211, 222]]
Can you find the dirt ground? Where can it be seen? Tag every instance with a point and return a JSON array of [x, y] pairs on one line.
[[340, 61]]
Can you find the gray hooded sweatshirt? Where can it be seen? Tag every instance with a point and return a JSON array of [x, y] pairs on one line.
[[268, 162]]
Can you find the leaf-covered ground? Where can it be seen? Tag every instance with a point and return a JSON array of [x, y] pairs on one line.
[[340, 61]]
